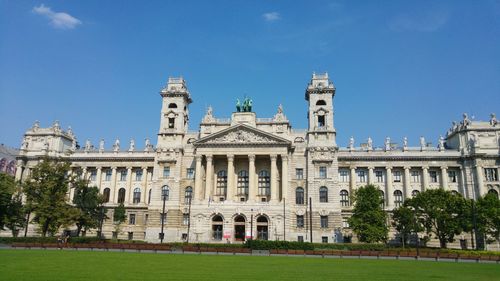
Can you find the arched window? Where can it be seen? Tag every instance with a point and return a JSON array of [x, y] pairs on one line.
[[243, 183], [344, 198], [320, 102], [165, 192], [137, 195], [299, 196], [217, 227], [323, 194], [149, 195], [414, 193], [121, 195], [262, 228], [382, 198], [492, 191], [221, 183], [398, 198], [105, 194], [188, 194], [264, 183], [172, 105]]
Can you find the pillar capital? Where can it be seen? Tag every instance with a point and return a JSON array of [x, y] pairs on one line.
[[407, 167], [209, 158], [251, 157], [230, 157], [273, 157], [198, 157]]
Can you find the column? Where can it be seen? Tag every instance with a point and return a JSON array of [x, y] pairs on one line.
[[252, 192], [19, 172], [112, 187], [444, 178], [389, 190], [144, 184], [352, 182], [231, 187], [98, 177], [425, 178], [284, 176], [209, 176], [198, 180], [371, 180], [407, 184], [480, 182], [274, 178], [129, 189]]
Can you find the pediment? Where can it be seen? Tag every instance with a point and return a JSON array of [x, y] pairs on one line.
[[242, 134]]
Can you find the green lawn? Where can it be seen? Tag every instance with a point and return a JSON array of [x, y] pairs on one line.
[[92, 266]]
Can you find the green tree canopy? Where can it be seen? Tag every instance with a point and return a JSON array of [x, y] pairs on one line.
[[89, 204], [7, 189], [488, 216], [405, 221], [368, 219]]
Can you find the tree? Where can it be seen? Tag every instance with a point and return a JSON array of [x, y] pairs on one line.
[[88, 202], [15, 215], [441, 213], [7, 188], [405, 221], [119, 216], [46, 192], [368, 219], [488, 217]]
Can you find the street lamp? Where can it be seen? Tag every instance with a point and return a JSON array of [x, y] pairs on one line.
[[164, 198], [251, 225]]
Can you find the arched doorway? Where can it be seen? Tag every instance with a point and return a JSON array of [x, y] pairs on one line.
[[262, 228], [239, 228], [217, 227]]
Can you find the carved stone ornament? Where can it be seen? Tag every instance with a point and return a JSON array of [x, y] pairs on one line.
[[323, 212], [322, 153], [301, 212], [242, 136]]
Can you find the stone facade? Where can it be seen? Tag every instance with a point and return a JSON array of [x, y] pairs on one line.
[[246, 176]]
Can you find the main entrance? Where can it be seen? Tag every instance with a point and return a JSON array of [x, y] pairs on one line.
[[239, 228]]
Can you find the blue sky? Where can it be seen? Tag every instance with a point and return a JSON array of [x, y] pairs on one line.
[[401, 68]]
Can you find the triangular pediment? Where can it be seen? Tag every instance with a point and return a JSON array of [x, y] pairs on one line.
[[242, 134]]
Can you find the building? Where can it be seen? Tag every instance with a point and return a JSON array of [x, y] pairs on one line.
[[246, 176], [8, 159]]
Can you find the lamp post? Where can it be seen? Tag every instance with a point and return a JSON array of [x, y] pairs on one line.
[[189, 216], [164, 198], [251, 225]]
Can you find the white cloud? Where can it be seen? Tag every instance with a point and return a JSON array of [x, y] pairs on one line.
[[58, 20], [428, 22], [272, 16]]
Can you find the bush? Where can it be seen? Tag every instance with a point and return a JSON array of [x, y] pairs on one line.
[[278, 245]]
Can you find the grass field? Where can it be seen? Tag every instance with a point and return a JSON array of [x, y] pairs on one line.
[[92, 266]]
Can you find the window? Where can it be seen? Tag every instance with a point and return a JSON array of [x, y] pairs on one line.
[[165, 192], [299, 196], [137, 195], [324, 239], [300, 238], [185, 219], [131, 219], [264, 183], [345, 222], [188, 195], [322, 172], [321, 121], [324, 221], [171, 122], [397, 176], [121, 195], [221, 183], [433, 176], [320, 102], [138, 175], [149, 195], [300, 221], [190, 173], [344, 176], [166, 172], [172, 105], [105, 194], [491, 174], [415, 176], [361, 176], [130, 236], [398, 198], [299, 174], [414, 193], [323, 194], [93, 175], [243, 183], [452, 176], [114, 234], [344, 198], [494, 192], [382, 199], [379, 175], [123, 175], [217, 226], [108, 175]]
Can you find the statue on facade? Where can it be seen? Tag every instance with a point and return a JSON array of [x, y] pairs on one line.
[[249, 105], [493, 119], [132, 145], [24, 144], [370, 143], [238, 105], [351, 143], [245, 107], [209, 115], [441, 143], [46, 146], [147, 145], [36, 125], [387, 143], [101, 145], [405, 143], [466, 121], [116, 146], [88, 145], [422, 143], [73, 145], [56, 126], [279, 116], [70, 131]]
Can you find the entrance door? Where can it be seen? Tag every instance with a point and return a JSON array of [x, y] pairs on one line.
[[239, 228]]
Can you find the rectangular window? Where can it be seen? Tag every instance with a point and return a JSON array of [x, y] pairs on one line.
[[300, 221], [131, 219], [93, 175], [397, 176], [185, 219], [130, 236], [324, 239], [166, 172], [123, 175], [114, 234], [452, 176], [190, 173], [300, 238], [491, 174], [379, 175], [433, 176], [324, 221], [321, 121], [345, 222], [108, 175], [138, 175], [344, 176], [171, 122], [361, 176], [415, 176], [299, 174], [322, 172]]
